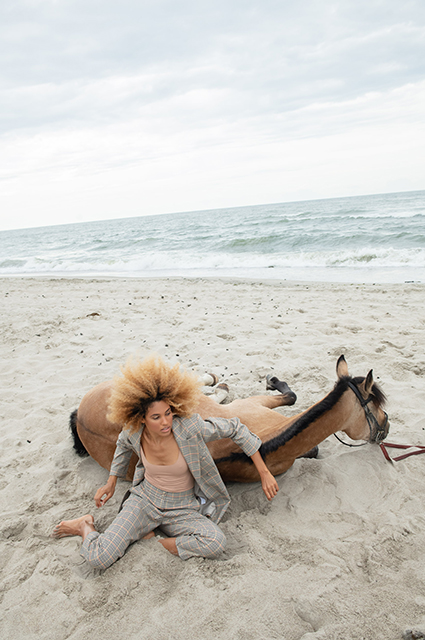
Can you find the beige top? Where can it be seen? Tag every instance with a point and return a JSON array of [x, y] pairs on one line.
[[171, 477]]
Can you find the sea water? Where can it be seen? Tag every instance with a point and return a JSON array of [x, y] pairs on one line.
[[371, 239]]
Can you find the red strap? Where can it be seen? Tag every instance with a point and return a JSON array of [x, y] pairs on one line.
[[418, 449]]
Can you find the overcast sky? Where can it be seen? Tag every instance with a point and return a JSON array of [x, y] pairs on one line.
[[115, 109]]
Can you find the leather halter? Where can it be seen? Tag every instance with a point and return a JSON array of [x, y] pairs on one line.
[[378, 432]]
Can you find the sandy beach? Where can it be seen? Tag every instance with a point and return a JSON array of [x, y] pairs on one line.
[[338, 554]]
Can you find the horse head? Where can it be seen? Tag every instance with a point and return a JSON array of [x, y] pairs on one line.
[[371, 398]]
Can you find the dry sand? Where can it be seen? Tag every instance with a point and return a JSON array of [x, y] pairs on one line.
[[338, 554]]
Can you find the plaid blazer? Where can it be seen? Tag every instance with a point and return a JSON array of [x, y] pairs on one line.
[[191, 435]]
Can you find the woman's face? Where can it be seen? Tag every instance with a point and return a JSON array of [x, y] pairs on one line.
[[159, 419]]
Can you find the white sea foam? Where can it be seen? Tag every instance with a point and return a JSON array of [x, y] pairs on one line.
[[374, 238]]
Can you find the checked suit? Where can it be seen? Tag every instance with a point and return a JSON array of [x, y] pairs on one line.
[[177, 514]]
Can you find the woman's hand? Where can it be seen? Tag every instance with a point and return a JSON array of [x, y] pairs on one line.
[[103, 494], [269, 484], [268, 481]]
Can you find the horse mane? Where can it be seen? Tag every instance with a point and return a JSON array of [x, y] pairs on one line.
[[313, 414]]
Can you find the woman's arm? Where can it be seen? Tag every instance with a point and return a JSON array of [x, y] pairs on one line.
[[119, 466], [216, 428], [268, 481], [122, 455], [250, 443], [103, 494]]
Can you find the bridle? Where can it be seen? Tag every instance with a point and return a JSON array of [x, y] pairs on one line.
[[378, 432]]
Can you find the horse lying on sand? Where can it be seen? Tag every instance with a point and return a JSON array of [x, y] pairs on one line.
[[354, 406]]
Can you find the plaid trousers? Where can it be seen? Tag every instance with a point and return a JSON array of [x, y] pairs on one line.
[[177, 515]]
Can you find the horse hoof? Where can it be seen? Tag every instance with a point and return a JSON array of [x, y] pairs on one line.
[[270, 382], [220, 393], [209, 379], [313, 453], [224, 386]]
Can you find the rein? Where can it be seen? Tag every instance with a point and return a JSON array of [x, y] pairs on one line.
[[419, 449]]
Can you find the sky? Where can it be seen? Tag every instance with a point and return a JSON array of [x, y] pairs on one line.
[[117, 109]]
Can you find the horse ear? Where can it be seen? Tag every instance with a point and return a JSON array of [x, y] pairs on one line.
[[368, 383], [341, 367]]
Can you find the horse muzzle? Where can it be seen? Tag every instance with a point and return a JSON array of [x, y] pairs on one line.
[[378, 432]]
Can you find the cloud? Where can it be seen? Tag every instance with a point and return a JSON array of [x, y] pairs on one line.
[[154, 87]]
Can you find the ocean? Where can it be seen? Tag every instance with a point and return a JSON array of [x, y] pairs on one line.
[[370, 239]]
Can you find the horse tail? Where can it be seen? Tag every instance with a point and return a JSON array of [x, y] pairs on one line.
[[78, 445]]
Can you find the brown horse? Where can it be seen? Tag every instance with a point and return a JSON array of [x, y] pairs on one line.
[[346, 409]]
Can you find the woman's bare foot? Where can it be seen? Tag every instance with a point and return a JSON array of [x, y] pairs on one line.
[[170, 545], [78, 527], [151, 534]]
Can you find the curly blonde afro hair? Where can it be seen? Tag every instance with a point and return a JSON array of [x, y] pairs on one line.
[[147, 381]]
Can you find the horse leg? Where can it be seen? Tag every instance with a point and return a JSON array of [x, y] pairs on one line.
[[274, 384], [220, 393], [286, 396], [209, 379]]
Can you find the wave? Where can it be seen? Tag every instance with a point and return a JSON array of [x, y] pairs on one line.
[[377, 234], [179, 260]]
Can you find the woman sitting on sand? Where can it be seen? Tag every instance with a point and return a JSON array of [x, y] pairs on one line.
[[176, 480]]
